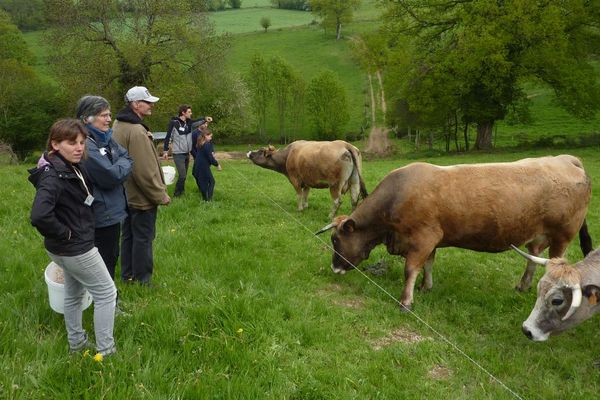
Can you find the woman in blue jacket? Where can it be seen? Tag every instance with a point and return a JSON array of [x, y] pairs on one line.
[[204, 158], [62, 213], [108, 165]]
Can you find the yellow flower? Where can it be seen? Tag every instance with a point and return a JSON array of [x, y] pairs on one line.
[[86, 353], [98, 357], [240, 331], [172, 230]]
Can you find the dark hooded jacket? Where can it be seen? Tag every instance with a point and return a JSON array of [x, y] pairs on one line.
[[59, 212]]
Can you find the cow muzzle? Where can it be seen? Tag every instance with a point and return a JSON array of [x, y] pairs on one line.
[[338, 270], [534, 333]]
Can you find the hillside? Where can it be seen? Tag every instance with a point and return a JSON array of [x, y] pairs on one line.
[[296, 38]]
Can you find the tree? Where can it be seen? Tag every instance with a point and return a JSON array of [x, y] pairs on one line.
[[27, 15], [327, 105], [259, 83], [235, 3], [281, 75], [471, 57], [105, 47], [28, 106], [265, 22], [334, 13]]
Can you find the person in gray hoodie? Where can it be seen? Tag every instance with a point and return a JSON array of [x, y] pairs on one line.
[[179, 137], [108, 165]]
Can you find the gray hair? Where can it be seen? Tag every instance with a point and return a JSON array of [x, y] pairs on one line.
[[89, 106]]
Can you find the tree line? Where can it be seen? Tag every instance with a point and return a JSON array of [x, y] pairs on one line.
[[434, 67]]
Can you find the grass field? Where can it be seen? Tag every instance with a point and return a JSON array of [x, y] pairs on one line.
[[245, 306]]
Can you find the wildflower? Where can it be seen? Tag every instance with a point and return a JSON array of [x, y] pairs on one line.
[[86, 353], [98, 357], [240, 331]]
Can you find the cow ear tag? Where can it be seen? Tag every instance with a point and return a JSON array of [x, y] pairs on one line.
[[592, 292]]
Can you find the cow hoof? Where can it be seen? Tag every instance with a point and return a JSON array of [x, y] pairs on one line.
[[519, 288], [405, 308]]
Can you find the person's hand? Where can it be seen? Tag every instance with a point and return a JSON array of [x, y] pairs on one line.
[[165, 155], [166, 200], [219, 167]]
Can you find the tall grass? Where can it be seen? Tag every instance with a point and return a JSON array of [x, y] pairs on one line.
[[245, 306]]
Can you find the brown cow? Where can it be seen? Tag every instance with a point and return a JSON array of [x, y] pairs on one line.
[[539, 202], [567, 295], [335, 165]]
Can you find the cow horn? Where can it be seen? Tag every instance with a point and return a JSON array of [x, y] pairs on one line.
[[575, 302], [326, 228], [537, 260]]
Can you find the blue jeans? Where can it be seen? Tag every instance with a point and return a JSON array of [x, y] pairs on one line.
[[139, 230], [182, 162], [87, 271]]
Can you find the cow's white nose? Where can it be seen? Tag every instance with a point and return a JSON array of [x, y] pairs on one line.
[[340, 271], [248, 154]]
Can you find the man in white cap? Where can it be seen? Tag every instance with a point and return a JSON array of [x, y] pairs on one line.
[[146, 188]]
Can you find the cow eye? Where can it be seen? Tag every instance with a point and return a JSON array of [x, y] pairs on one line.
[[557, 302]]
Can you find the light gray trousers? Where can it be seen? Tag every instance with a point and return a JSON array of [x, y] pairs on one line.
[[88, 271]]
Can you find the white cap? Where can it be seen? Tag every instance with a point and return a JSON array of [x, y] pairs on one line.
[[140, 93]]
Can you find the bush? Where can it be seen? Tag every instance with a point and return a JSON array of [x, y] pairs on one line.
[[235, 3], [291, 4]]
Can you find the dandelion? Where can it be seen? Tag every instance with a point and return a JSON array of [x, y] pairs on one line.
[[98, 357], [240, 331], [173, 230]]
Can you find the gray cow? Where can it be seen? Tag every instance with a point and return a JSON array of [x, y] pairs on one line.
[[567, 295]]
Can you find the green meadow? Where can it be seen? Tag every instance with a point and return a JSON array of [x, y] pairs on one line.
[[246, 306]]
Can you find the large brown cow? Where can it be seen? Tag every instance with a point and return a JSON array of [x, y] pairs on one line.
[[539, 202], [567, 295], [335, 165]]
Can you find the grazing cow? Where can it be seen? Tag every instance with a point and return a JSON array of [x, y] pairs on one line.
[[335, 165], [560, 304], [539, 202]]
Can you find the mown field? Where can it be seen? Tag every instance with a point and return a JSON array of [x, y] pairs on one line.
[[245, 306]]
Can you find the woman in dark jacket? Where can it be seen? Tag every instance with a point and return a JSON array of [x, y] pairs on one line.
[[108, 165], [204, 158], [62, 213]]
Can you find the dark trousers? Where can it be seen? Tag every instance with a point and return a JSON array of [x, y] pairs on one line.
[[206, 185], [139, 230], [107, 241], [182, 162]]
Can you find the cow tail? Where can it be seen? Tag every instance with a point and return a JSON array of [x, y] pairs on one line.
[[363, 187], [585, 240]]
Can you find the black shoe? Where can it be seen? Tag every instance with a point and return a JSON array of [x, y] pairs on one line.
[[178, 194]]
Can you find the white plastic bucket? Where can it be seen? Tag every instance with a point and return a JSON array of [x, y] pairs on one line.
[[56, 290], [169, 173]]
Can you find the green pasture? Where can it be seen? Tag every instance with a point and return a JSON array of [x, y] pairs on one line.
[[245, 306]]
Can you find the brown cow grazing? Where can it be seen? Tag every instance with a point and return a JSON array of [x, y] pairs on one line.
[[335, 165], [560, 303], [539, 202]]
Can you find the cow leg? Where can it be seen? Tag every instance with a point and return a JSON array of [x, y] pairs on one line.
[[535, 248], [305, 197], [427, 282], [414, 264], [336, 195]]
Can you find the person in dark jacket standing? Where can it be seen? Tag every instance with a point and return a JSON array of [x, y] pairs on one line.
[[108, 165], [62, 213], [205, 157], [179, 136], [145, 187]]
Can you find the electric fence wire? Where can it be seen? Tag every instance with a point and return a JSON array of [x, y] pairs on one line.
[[421, 320]]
